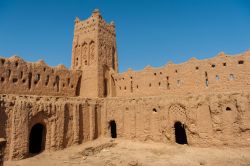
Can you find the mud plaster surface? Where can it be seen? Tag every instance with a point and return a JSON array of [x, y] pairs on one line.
[[129, 153]]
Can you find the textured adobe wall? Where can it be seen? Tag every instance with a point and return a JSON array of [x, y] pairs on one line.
[[94, 52], [94, 40], [209, 119], [67, 121], [20, 77], [210, 98], [212, 119], [222, 73]]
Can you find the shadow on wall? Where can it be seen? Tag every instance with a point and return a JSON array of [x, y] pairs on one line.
[[66, 139], [78, 86], [2, 148], [3, 121]]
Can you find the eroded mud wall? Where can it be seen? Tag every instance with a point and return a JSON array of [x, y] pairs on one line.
[[66, 121], [215, 119], [20, 77], [222, 73]]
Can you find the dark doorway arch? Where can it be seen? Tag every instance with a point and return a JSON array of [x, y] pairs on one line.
[[112, 126], [37, 138], [180, 133]]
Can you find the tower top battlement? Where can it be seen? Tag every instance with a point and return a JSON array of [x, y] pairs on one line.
[[96, 21]]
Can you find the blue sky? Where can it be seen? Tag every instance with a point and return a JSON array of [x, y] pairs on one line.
[[149, 32]]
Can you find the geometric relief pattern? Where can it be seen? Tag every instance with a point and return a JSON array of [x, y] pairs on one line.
[[177, 112], [84, 53]]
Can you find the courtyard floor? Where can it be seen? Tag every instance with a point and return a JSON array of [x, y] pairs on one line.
[[106, 152]]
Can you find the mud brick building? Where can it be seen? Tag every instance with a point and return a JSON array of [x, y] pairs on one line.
[[199, 102]]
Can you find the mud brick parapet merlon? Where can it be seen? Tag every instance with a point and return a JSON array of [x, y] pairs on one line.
[[222, 73]]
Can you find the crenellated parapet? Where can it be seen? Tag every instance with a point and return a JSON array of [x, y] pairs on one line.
[[20, 77], [92, 23], [222, 73]]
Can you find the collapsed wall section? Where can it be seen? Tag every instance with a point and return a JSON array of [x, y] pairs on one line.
[[222, 73], [20, 77]]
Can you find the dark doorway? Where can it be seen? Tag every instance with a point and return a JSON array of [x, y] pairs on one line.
[[37, 139], [180, 133], [112, 126]]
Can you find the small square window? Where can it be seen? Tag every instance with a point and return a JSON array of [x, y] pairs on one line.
[[217, 77], [178, 82], [241, 62], [231, 77]]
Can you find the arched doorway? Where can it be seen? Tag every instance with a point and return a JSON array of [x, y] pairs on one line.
[[37, 139], [180, 133], [112, 126]]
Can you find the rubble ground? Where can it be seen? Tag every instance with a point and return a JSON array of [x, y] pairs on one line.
[[119, 152]]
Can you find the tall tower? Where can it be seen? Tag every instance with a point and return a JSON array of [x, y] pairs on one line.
[[94, 52]]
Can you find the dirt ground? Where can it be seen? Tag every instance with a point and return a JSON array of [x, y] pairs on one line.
[[106, 152]]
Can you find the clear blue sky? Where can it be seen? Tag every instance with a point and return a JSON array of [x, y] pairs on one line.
[[148, 31]]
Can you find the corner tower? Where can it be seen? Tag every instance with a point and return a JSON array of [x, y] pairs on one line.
[[94, 52]]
